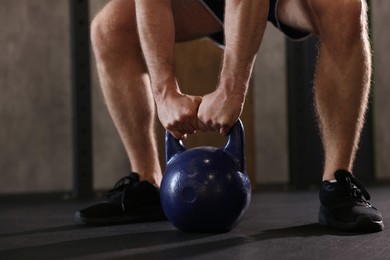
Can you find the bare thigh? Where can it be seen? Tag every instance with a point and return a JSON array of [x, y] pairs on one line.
[[297, 14], [192, 20]]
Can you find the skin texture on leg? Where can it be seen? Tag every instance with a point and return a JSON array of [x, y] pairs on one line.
[[343, 72], [124, 77]]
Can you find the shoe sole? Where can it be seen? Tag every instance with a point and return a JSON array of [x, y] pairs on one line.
[[362, 224], [150, 214]]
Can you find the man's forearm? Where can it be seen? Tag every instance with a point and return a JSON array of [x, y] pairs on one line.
[[245, 22], [177, 112], [157, 36]]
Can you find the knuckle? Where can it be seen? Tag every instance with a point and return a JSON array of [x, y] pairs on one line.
[[172, 125]]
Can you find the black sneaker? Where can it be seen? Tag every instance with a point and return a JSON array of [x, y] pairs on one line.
[[344, 205], [130, 201]]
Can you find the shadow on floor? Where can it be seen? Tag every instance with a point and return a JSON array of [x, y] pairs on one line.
[[309, 230], [171, 244], [42, 230]]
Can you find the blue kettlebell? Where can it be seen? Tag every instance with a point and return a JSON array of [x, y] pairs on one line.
[[206, 189]]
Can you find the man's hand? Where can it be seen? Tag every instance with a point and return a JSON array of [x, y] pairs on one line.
[[219, 111], [178, 113]]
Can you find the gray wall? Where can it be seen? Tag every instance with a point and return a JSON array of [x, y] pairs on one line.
[[35, 99], [270, 90], [381, 21], [35, 102]]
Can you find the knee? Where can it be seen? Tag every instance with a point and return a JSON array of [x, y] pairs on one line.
[[111, 28], [343, 18], [98, 38]]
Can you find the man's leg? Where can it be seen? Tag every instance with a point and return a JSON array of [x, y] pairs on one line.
[[126, 88], [342, 84], [125, 85], [343, 72]]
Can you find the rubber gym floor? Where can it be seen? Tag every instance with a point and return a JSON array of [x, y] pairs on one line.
[[278, 225]]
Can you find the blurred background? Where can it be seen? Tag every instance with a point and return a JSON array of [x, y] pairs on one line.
[[36, 138]]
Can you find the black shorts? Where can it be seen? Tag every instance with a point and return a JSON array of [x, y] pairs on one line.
[[217, 8]]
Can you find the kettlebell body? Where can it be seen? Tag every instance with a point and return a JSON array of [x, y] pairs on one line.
[[206, 189]]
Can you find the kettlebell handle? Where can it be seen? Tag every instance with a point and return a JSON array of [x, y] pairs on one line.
[[235, 145]]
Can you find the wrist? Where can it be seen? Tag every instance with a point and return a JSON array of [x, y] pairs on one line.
[[233, 84], [235, 72], [163, 89]]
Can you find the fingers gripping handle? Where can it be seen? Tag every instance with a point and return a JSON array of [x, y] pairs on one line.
[[234, 146]]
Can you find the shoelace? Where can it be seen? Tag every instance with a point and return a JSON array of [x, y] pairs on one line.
[[356, 189], [121, 186]]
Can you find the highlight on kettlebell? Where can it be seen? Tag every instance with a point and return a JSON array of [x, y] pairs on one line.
[[206, 189]]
